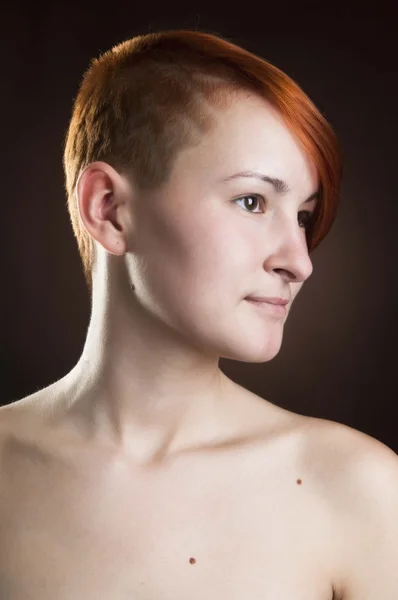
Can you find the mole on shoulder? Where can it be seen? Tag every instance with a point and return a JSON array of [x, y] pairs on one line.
[[299, 481], [192, 561]]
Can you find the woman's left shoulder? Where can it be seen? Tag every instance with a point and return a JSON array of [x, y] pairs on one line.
[[343, 452]]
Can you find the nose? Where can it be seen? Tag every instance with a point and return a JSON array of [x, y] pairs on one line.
[[288, 252]]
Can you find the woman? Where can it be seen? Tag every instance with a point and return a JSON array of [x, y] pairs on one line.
[[199, 179]]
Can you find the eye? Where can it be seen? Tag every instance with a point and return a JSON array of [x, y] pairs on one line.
[[307, 217], [254, 197]]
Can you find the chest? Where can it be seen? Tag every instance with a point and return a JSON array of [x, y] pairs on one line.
[[196, 534]]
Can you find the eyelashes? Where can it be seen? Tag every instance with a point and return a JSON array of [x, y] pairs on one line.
[[256, 197], [260, 199]]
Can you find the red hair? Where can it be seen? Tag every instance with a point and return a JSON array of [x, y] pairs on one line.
[[146, 99]]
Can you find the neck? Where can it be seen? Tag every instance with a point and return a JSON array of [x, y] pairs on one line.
[[143, 388]]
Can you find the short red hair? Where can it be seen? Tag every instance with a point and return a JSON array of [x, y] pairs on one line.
[[146, 99]]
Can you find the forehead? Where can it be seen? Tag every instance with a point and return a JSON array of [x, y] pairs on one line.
[[250, 135]]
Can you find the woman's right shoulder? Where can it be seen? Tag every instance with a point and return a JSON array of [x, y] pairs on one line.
[[12, 416], [13, 413], [18, 419]]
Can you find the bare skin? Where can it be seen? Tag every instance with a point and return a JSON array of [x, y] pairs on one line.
[[145, 473], [251, 517]]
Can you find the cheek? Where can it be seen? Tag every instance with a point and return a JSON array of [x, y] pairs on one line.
[[192, 254], [220, 255]]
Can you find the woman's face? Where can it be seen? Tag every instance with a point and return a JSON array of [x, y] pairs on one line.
[[209, 238]]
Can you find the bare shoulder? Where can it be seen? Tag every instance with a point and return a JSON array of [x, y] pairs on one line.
[[347, 447], [353, 461], [18, 414], [362, 478], [21, 422], [31, 408]]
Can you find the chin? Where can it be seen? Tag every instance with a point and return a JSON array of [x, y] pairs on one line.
[[257, 351], [259, 357]]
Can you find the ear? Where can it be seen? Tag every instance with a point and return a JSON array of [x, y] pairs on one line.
[[101, 199]]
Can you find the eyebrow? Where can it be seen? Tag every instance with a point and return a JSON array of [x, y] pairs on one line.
[[279, 185]]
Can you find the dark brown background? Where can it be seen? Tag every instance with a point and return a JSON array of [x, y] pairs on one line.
[[339, 355]]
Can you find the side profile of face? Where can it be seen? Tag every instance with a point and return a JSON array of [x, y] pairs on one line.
[[199, 246]]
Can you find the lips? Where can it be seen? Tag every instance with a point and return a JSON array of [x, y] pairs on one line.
[[269, 308], [273, 300]]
